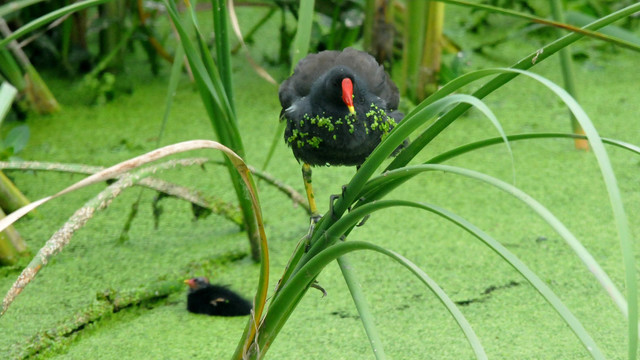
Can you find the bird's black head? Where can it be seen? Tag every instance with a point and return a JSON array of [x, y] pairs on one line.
[[336, 89], [197, 282]]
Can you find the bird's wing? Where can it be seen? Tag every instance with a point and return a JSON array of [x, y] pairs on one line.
[[218, 300], [312, 67], [306, 72]]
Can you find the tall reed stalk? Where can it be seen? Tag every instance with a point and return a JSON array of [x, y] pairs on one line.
[[413, 40], [566, 66], [216, 90], [431, 51]]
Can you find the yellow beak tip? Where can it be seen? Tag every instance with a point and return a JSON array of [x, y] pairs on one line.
[[352, 110]]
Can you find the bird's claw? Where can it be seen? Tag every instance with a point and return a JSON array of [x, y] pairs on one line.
[[332, 200], [313, 220], [316, 286]]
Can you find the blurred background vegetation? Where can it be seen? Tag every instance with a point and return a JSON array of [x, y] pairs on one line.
[[408, 37]]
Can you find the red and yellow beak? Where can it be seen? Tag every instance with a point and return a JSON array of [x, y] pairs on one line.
[[190, 282], [347, 94]]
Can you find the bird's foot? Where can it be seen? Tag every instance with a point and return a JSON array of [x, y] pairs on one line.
[[332, 200], [313, 220], [316, 286], [344, 190]]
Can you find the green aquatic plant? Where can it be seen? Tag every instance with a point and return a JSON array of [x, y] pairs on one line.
[[216, 90], [366, 193]]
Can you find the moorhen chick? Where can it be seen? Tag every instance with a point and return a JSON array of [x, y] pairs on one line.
[[205, 298], [338, 106]]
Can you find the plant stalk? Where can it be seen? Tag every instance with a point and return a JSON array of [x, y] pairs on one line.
[[360, 301], [427, 76], [566, 65]]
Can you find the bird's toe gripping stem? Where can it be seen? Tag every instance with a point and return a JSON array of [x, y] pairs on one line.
[[332, 200]]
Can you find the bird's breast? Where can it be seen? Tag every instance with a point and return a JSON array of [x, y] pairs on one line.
[[338, 139]]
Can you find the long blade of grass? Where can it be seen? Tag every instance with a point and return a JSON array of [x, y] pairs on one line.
[[7, 94], [582, 19], [584, 255], [207, 78], [16, 5], [211, 86], [11, 71], [612, 189], [63, 236], [217, 205], [439, 125], [381, 153], [280, 309], [303, 33], [619, 214], [235, 25], [359, 299], [527, 62], [460, 150], [386, 147], [566, 65], [174, 78], [113, 171], [49, 17], [347, 221], [220, 112], [223, 53], [557, 24]]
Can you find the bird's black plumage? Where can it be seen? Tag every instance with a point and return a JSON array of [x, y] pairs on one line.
[[320, 129], [205, 298]]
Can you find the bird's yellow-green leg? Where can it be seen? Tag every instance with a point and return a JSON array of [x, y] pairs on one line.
[[306, 176], [315, 216]]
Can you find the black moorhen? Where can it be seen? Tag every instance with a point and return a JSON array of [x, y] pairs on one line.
[[204, 298], [338, 106]]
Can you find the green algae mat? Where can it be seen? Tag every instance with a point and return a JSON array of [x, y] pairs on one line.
[[106, 296]]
